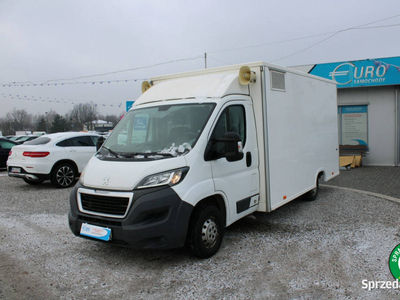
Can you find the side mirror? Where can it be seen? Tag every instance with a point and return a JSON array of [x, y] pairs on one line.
[[233, 146], [99, 143], [233, 150]]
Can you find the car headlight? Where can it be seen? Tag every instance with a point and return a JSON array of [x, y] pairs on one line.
[[165, 178]]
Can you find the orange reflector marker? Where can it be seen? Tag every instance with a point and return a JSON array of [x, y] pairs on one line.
[[333, 173], [284, 197]]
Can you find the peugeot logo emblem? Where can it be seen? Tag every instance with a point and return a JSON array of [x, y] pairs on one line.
[[106, 180]]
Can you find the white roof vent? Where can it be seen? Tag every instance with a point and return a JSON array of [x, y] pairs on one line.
[[277, 80]]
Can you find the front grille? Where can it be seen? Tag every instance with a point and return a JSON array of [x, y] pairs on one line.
[[104, 204], [96, 221]]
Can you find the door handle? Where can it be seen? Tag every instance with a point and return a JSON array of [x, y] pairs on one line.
[[248, 159]]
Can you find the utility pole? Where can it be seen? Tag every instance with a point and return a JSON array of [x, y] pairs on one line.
[[205, 60]]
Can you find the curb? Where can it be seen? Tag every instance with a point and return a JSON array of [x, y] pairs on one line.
[[363, 192]]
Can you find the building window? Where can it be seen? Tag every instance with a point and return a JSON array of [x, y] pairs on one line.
[[353, 125]]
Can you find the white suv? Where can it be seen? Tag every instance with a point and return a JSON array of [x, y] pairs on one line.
[[59, 157]]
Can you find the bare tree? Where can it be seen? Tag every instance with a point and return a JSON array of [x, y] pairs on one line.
[[6, 127], [50, 115], [18, 119], [84, 113]]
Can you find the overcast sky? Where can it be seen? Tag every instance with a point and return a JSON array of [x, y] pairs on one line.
[[66, 42]]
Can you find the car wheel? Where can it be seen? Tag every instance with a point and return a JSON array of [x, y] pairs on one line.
[[32, 181], [206, 232], [63, 176], [313, 194]]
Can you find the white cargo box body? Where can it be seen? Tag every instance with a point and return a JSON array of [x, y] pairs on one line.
[[296, 123]]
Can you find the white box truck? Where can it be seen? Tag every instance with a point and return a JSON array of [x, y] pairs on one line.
[[201, 150]]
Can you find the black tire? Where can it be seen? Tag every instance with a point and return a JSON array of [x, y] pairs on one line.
[[313, 194], [206, 232], [33, 181], [63, 176]]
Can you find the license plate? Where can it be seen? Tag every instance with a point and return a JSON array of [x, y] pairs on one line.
[[97, 232], [15, 170]]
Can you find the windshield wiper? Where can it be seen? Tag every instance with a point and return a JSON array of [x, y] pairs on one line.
[[164, 154], [147, 154], [112, 152]]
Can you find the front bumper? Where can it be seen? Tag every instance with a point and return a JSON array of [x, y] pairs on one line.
[[157, 218]]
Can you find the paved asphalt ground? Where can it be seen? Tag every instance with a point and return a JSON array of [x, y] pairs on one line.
[[381, 180]]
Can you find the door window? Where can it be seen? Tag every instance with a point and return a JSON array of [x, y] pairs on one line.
[[94, 139], [80, 141], [232, 119]]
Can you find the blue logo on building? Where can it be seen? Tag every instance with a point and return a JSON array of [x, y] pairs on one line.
[[129, 105], [370, 72]]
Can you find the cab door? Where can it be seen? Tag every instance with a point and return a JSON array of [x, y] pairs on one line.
[[237, 180]]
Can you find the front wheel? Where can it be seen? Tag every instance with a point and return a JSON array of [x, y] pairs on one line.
[[63, 176], [206, 232]]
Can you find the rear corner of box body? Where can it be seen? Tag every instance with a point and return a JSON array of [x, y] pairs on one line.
[[258, 94]]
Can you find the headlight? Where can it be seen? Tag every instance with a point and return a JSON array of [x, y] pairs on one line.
[[166, 178]]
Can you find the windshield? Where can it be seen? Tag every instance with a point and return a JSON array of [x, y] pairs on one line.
[[157, 132]]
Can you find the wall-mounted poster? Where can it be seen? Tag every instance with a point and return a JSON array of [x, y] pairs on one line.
[[355, 125]]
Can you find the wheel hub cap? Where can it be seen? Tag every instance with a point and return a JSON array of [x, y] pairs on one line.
[[209, 233], [65, 176]]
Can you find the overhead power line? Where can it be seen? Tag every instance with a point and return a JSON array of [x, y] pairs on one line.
[[298, 39], [332, 34], [340, 31]]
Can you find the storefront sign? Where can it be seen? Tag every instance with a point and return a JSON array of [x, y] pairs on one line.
[[129, 105], [370, 72]]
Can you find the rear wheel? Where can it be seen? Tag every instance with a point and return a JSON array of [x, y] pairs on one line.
[[63, 176], [33, 181], [206, 232], [313, 194]]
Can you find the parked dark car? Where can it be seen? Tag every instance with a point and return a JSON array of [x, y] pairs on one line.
[[5, 147]]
